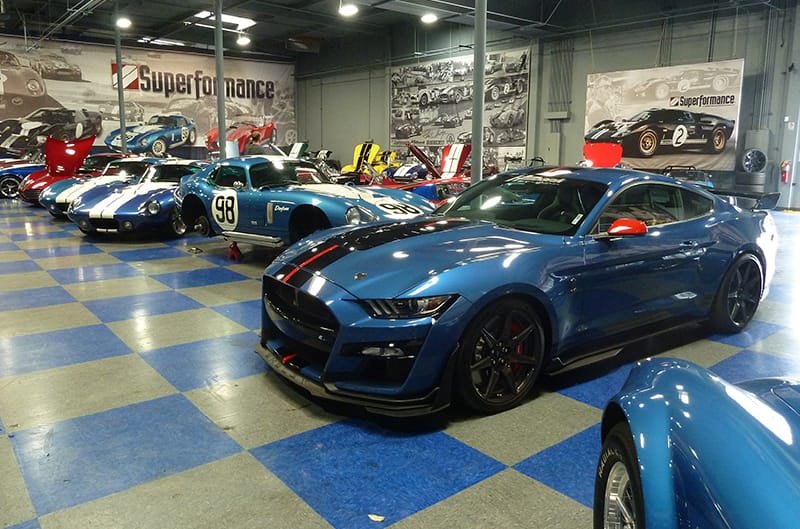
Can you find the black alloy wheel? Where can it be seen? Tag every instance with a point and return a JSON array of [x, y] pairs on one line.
[[739, 294], [9, 187], [501, 356]]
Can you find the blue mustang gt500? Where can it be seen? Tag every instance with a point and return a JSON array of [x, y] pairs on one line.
[[527, 271], [273, 200], [684, 448]]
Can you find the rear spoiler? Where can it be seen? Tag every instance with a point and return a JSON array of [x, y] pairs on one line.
[[749, 200]]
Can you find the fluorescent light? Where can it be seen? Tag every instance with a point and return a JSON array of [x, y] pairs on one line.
[[429, 18], [240, 22], [243, 39], [123, 22], [347, 9]]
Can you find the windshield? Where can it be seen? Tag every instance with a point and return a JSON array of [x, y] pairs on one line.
[[126, 168], [168, 173], [95, 162], [542, 201], [641, 116], [283, 172], [162, 120]]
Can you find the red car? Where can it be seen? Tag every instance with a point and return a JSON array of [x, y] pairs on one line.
[[63, 160], [241, 132]]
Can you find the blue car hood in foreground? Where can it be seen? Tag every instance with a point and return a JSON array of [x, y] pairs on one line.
[[390, 259], [704, 445]]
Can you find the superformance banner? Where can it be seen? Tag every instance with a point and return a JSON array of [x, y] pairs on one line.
[[675, 115]]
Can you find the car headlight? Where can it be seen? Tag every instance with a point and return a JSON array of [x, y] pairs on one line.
[[34, 87], [152, 207], [355, 215], [75, 204], [409, 307]]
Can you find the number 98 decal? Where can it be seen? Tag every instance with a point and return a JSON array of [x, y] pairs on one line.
[[398, 208], [225, 209]]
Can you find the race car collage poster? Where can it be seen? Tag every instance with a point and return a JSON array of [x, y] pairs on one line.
[[68, 90], [675, 115], [432, 104]]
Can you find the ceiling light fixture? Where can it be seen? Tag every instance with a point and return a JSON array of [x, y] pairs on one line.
[[239, 23], [243, 39], [347, 8], [124, 22], [429, 18]]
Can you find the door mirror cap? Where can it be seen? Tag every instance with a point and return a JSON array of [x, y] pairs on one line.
[[624, 228]]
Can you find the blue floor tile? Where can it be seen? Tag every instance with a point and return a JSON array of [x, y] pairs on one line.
[[66, 276], [129, 307], [569, 466], [8, 247], [96, 455], [200, 364], [747, 365], [34, 297], [596, 392], [246, 313], [18, 267], [34, 352], [393, 474], [754, 332], [61, 251], [188, 240], [40, 235], [30, 524], [32, 224], [199, 278], [148, 254]]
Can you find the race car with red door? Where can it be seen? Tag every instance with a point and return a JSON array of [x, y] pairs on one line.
[[240, 132], [62, 158], [663, 129]]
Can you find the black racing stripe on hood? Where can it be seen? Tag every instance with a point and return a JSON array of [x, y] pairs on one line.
[[362, 154], [366, 238]]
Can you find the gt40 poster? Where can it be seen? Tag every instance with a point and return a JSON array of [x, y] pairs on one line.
[[675, 115]]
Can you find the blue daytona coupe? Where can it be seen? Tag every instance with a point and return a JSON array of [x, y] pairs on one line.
[[161, 133], [527, 271], [683, 448], [145, 203], [274, 200]]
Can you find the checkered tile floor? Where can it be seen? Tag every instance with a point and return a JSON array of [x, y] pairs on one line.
[[130, 397]]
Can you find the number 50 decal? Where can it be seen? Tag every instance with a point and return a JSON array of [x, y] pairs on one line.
[[225, 209]]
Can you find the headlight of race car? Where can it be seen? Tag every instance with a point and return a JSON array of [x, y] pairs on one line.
[[355, 215], [409, 307], [152, 207], [34, 87]]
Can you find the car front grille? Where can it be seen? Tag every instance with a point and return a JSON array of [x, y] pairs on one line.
[[311, 320], [105, 224], [31, 194]]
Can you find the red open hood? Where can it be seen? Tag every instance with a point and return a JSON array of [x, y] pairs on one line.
[[65, 157]]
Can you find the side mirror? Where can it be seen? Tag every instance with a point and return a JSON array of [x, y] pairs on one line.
[[624, 228]]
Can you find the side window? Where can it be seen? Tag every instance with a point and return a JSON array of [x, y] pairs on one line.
[[695, 205], [653, 204], [227, 175]]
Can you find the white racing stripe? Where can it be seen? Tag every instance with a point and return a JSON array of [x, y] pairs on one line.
[[452, 161], [106, 208], [74, 191], [388, 205]]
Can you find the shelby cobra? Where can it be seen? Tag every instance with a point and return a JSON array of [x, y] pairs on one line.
[[644, 133], [161, 133], [147, 204], [274, 200], [20, 84], [682, 447], [524, 272]]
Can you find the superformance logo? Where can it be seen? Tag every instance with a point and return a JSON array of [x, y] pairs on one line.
[[199, 84], [702, 101]]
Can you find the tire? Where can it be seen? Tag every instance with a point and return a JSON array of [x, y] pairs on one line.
[[192, 137], [648, 143], [661, 91], [159, 148], [305, 223], [718, 141], [202, 226], [78, 130], [719, 83], [176, 227], [9, 187], [494, 93], [423, 100], [290, 137], [500, 356], [738, 296], [618, 498]]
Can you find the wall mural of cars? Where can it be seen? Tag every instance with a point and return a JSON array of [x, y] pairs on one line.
[[18, 135], [431, 102], [675, 115], [54, 66], [20, 85]]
